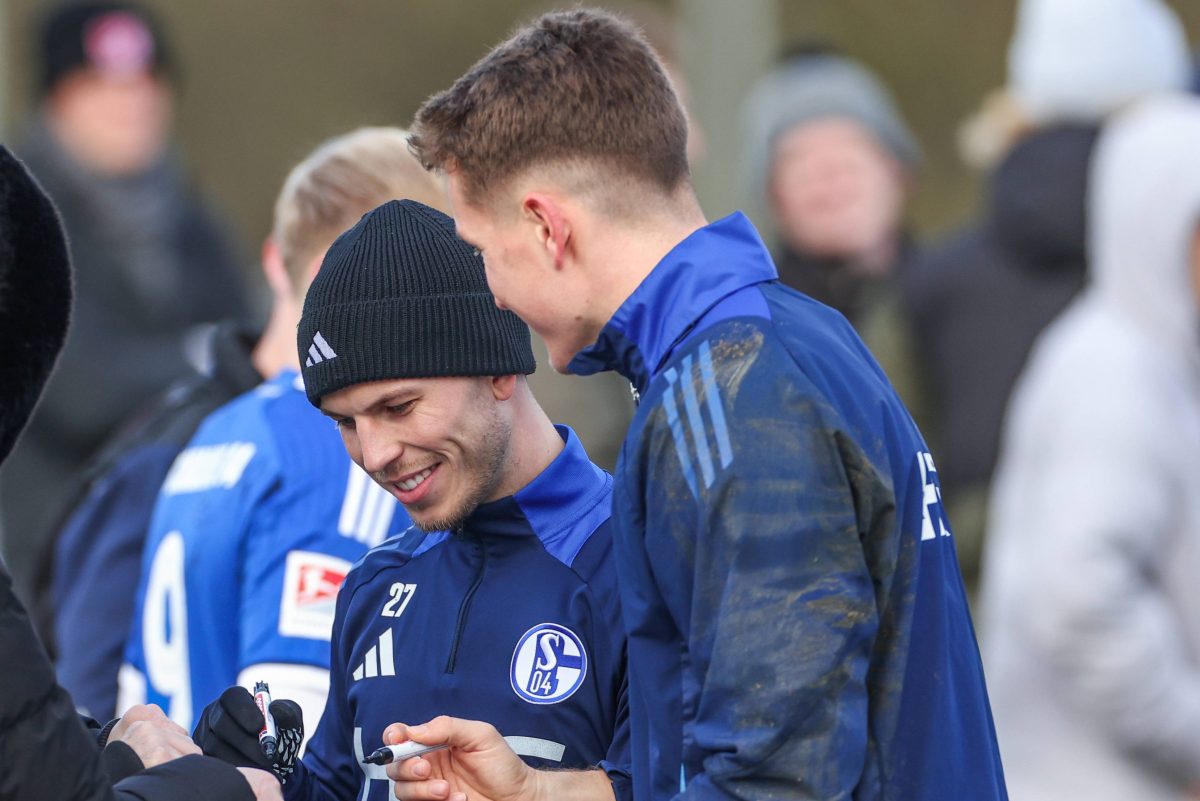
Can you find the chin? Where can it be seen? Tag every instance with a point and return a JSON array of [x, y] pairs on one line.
[[437, 520], [562, 353]]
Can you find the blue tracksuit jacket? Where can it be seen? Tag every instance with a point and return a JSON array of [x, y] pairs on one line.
[[797, 622], [514, 619]]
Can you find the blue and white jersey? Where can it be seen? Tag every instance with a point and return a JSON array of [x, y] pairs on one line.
[[514, 619], [257, 524]]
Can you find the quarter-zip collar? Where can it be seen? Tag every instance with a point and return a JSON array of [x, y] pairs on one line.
[[548, 505], [561, 507], [710, 264]]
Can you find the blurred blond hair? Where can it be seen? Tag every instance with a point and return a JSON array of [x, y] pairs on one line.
[[985, 137], [343, 179]]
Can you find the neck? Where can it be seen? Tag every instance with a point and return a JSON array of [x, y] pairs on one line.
[[641, 248], [276, 350], [535, 443]]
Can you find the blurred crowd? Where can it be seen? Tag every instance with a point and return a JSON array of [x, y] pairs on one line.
[[1049, 350]]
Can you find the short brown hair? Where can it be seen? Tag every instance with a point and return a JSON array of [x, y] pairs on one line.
[[339, 182], [572, 87]]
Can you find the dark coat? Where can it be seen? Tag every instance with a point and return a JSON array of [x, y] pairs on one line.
[[46, 752], [978, 301]]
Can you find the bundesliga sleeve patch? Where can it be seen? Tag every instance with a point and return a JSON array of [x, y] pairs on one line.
[[548, 665], [310, 585]]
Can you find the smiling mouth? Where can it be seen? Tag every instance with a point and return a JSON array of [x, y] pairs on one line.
[[411, 483]]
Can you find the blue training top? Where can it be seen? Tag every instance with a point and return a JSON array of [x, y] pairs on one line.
[[514, 620], [797, 622]]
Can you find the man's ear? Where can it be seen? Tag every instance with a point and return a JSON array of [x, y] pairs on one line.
[[503, 386], [310, 273], [551, 225], [274, 269]]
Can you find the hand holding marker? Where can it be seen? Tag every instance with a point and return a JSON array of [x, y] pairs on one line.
[[400, 752], [268, 737]]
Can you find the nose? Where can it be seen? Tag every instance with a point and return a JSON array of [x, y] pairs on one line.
[[379, 451]]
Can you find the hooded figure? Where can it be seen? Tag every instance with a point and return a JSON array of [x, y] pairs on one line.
[[978, 300], [1091, 615]]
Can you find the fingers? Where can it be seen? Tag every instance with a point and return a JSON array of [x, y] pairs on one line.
[[410, 770], [264, 785], [396, 733], [287, 714], [144, 713], [228, 729], [155, 743], [470, 735], [433, 790], [238, 705]]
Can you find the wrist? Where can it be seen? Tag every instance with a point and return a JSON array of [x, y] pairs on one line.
[[566, 785], [103, 734], [534, 785], [120, 761]]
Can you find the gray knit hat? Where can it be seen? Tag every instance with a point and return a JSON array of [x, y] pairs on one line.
[[810, 87], [399, 295]]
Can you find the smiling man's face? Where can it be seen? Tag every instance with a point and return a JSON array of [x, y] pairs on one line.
[[438, 445]]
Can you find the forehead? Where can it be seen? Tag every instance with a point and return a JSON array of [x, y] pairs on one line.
[[826, 134]]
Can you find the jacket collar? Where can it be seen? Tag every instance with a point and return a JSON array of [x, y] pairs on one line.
[[710, 264], [559, 495]]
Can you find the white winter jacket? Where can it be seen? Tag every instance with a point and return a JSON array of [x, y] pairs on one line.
[[1090, 621]]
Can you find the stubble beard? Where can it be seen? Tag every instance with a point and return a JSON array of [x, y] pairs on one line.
[[486, 469]]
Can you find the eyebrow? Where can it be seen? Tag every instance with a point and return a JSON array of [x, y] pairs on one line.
[[407, 393]]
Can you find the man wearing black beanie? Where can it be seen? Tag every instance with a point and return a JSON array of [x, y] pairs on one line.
[[501, 603]]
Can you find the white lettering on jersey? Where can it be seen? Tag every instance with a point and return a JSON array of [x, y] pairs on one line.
[[367, 509], [401, 594], [208, 466], [370, 772], [165, 629], [931, 503], [310, 585]]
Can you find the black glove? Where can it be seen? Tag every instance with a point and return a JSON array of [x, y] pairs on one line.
[[229, 727]]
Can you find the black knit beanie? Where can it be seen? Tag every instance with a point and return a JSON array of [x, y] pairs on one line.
[[114, 37], [399, 295]]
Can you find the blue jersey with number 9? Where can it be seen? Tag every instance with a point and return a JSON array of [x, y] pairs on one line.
[[256, 526]]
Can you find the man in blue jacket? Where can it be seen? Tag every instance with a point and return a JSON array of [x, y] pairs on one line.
[[796, 619], [502, 602]]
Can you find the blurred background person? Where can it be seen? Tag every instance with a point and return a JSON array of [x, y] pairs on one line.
[[977, 300], [1091, 608], [151, 262], [829, 166]]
